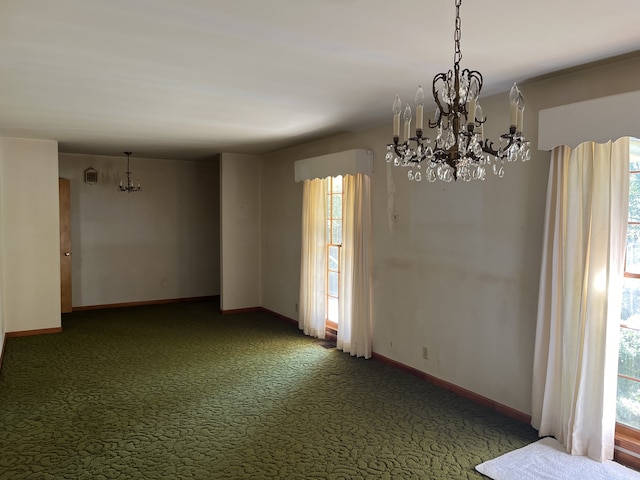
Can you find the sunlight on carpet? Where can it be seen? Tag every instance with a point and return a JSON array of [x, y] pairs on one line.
[[547, 459]]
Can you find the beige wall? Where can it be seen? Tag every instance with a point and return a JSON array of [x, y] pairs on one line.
[[30, 234], [459, 271], [240, 185], [159, 243]]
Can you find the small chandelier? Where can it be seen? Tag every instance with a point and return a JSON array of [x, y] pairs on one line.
[[459, 150], [129, 187]]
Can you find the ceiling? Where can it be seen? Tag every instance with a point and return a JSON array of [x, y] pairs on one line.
[[187, 79]]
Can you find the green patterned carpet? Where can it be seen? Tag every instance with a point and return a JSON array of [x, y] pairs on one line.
[[180, 392]]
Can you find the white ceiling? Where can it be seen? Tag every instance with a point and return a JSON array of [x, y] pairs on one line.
[[186, 79]]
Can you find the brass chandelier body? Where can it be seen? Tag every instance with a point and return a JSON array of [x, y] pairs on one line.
[[459, 150]]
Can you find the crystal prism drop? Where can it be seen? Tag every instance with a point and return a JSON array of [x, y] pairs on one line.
[[451, 140]]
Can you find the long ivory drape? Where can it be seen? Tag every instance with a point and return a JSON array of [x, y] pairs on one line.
[[313, 263], [354, 325], [576, 346], [354, 330]]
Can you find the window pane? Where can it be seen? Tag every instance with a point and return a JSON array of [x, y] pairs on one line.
[[633, 249], [630, 314], [628, 402], [329, 231], [328, 206], [334, 258], [634, 155], [333, 284], [337, 232], [634, 197], [629, 358], [332, 310], [337, 184], [336, 211]]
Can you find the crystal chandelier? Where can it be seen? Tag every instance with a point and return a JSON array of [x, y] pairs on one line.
[[129, 187], [459, 150]]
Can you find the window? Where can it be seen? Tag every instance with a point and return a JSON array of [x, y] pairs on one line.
[[333, 194], [628, 397]]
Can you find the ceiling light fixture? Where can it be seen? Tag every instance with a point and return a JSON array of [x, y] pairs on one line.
[[459, 150], [129, 187]]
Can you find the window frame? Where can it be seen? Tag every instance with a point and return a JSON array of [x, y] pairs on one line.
[[330, 325], [626, 436]]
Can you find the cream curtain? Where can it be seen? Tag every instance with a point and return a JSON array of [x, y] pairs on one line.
[[313, 264], [354, 329], [576, 345]]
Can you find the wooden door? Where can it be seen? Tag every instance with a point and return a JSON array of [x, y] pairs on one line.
[[65, 244]]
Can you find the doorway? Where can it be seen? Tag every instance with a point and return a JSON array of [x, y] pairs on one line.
[[65, 244]]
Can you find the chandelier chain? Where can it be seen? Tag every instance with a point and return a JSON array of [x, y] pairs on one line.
[[457, 34]]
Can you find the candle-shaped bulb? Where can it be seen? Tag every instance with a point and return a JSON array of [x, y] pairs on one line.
[[521, 105], [419, 108], [396, 109], [513, 93], [474, 90], [407, 114], [397, 105], [480, 118], [513, 101], [521, 101], [479, 113], [407, 121], [420, 96], [472, 95]]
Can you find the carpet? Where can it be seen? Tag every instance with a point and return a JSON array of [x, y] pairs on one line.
[[181, 392], [547, 459]]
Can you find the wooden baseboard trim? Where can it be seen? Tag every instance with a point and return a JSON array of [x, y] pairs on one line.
[[28, 333], [463, 392], [487, 402], [280, 316], [145, 302], [241, 310]]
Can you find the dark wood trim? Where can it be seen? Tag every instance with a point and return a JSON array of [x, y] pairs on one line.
[[241, 310], [627, 459], [331, 334], [145, 302], [629, 433], [624, 435], [628, 439], [280, 316], [463, 392], [27, 333]]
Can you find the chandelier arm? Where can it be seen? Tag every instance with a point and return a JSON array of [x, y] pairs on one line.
[[487, 147], [436, 98]]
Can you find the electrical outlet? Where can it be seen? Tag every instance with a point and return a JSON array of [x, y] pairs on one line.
[[296, 307], [425, 353]]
